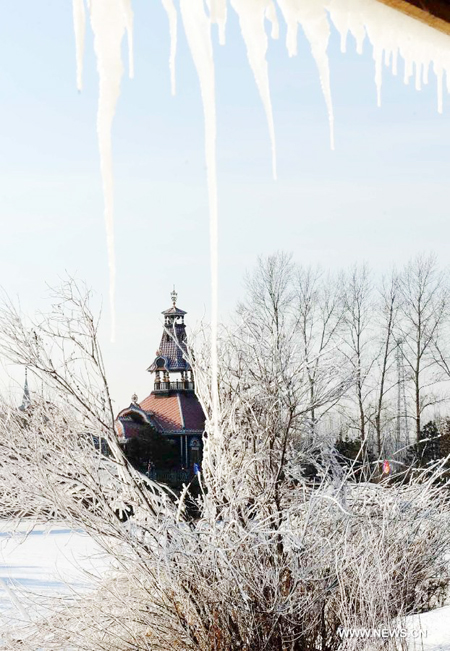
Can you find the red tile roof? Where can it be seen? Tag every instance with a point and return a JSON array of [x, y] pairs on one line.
[[176, 412], [193, 415]]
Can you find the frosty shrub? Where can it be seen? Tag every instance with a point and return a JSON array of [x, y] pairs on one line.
[[278, 559]]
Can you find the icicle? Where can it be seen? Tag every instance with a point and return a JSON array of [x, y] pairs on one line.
[[395, 62], [198, 33], [219, 17], [251, 18], [128, 13], [390, 30], [440, 79], [360, 44], [314, 22], [109, 22], [378, 57], [391, 34], [79, 24], [418, 76], [291, 38], [340, 19], [172, 16], [321, 58], [289, 11], [271, 16], [408, 72]]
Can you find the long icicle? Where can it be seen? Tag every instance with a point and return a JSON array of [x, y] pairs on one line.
[[109, 22], [198, 33], [389, 32], [79, 25], [172, 16], [313, 19], [128, 14], [252, 15], [219, 17]]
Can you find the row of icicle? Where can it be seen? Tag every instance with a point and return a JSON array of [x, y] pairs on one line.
[[391, 34]]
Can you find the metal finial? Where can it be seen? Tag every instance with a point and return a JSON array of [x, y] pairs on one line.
[[134, 398], [174, 296]]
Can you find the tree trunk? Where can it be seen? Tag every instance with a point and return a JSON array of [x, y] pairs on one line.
[[417, 396]]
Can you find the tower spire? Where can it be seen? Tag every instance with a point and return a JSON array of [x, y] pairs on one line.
[[171, 367], [26, 399], [174, 296]]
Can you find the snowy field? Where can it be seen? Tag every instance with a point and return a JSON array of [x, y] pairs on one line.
[[42, 563], [436, 628]]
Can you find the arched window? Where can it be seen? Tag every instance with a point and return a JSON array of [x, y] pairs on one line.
[[194, 451]]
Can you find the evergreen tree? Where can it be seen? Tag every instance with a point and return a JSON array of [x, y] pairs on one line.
[[151, 446], [428, 448]]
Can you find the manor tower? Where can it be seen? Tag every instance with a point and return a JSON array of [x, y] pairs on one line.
[[172, 407]]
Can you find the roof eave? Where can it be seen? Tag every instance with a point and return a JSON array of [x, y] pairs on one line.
[[174, 312], [435, 13]]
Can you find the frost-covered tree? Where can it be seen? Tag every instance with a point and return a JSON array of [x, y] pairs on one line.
[[424, 305], [272, 559], [357, 340], [386, 315], [320, 317]]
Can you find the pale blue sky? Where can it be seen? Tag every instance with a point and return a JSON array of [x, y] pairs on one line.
[[380, 197]]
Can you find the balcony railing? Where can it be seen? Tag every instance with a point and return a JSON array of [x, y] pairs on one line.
[[174, 478], [181, 385]]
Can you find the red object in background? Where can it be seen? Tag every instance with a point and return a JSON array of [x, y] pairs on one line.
[[386, 467]]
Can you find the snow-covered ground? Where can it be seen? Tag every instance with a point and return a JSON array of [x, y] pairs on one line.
[[435, 627], [41, 562]]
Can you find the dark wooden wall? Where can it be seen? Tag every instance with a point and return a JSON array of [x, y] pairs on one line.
[[434, 12], [437, 8]]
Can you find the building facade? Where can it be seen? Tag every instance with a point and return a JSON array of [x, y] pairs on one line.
[[172, 408]]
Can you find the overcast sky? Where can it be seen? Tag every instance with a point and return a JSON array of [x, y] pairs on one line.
[[380, 197]]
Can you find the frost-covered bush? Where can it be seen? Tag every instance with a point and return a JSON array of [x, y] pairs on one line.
[[275, 561]]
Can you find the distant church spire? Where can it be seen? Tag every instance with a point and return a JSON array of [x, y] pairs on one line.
[[26, 400]]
